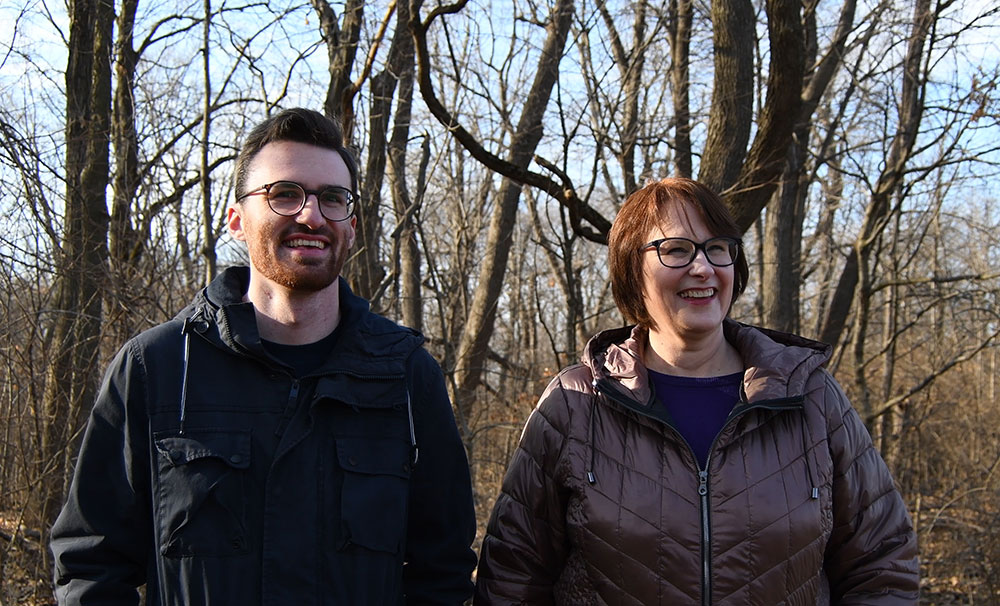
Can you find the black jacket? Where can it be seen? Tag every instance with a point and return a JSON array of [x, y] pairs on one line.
[[214, 476]]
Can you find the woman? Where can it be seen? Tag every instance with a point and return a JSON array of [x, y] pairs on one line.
[[690, 459]]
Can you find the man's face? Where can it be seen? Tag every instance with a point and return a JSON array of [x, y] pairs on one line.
[[304, 252]]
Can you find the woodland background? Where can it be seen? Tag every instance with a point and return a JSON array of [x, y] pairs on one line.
[[857, 142]]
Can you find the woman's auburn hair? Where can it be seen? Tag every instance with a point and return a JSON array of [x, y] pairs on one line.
[[645, 210]]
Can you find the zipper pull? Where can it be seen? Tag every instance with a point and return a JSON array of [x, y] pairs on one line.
[[702, 483]]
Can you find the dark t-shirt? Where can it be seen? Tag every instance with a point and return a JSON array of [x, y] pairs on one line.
[[304, 358], [698, 406]]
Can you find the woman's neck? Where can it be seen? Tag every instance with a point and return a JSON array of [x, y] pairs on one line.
[[710, 355]]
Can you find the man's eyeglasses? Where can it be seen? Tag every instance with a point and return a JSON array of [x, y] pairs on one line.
[[288, 198], [680, 252]]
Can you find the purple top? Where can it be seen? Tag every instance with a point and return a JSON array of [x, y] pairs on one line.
[[698, 406]]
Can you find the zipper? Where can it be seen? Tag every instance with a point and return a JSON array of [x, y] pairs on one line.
[[706, 534], [290, 402], [741, 408]]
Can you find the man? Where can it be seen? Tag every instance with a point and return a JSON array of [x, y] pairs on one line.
[[275, 443]]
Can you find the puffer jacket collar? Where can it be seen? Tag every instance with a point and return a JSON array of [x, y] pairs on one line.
[[777, 364]]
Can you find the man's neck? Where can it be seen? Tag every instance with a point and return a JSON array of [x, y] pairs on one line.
[[292, 317]]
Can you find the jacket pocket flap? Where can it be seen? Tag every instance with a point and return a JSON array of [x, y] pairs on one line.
[[229, 446], [363, 392], [374, 456]]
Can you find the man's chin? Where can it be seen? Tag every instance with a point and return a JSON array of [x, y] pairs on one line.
[[307, 283], [303, 278]]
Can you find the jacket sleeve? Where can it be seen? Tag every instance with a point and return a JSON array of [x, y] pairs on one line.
[[101, 539], [525, 547], [871, 557], [441, 520]]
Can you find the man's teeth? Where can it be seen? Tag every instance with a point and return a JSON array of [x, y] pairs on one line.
[[303, 242], [698, 294]]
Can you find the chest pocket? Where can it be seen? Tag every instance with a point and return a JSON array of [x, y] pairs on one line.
[[373, 501], [200, 492]]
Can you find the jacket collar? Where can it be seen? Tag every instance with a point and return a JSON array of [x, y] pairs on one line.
[[219, 314], [777, 364]]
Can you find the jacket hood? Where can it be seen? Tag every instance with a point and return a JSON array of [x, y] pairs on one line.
[[220, 315], [777, 364]]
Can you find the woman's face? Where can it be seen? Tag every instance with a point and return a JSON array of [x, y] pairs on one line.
[[689, 301]]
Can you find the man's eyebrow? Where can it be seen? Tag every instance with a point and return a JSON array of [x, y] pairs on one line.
[[322, 186]]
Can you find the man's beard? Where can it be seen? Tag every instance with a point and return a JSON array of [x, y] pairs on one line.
[[306, 275]]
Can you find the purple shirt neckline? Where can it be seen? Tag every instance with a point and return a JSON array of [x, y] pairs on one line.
[[698, 406]]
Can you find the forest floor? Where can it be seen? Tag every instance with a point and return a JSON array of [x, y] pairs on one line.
[[24, 580]]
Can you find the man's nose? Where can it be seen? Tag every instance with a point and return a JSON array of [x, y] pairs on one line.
[[310, 214]]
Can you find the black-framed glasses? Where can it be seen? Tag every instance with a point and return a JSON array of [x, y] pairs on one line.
[[680, 252], [288, 198]]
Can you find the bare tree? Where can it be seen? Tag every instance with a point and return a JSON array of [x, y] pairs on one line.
[[473, 346], [748, 190], [731, 113], [341, 37], [406, 206], [908, 127]]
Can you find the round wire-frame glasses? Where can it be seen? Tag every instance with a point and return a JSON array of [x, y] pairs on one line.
[[288, 198]]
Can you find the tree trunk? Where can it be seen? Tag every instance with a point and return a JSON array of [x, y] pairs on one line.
[[731, 114], [341, 41], [70, 382], [409, 275], [782, 251], [126, 246], [761, 173], [123, 244], [681, 16], [785, 213], [207, 220], [366, 271], [341, 38]]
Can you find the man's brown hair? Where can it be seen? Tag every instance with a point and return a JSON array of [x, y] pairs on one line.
[[299, 125]]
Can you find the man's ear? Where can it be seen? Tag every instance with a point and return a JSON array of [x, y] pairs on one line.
[[235, 222], [354, 232]]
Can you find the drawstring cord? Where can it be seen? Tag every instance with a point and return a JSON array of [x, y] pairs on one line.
[[414, 451], [814, 493], [591, 478], [184, 376]]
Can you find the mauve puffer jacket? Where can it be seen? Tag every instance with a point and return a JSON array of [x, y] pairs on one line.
[[604, 503]]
